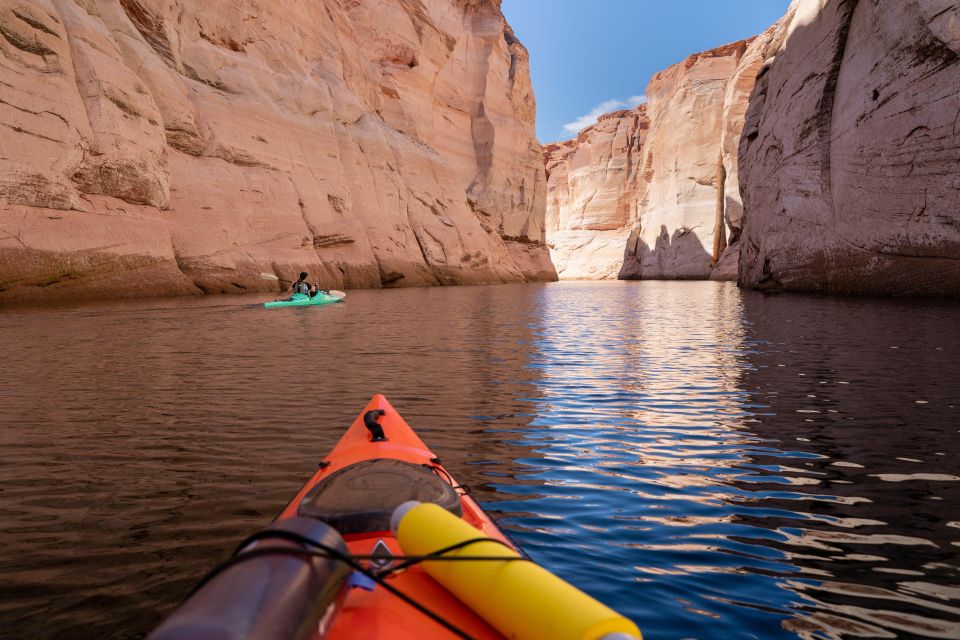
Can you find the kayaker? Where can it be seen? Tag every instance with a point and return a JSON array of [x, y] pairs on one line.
[[301, 286]]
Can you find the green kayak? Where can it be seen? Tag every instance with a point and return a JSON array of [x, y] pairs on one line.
[[303, 300]]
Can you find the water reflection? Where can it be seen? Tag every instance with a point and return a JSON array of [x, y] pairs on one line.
[[870, 388], [714, 463], [693, 486]]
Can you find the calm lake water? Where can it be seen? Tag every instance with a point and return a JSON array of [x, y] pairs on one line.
[[714, 463]]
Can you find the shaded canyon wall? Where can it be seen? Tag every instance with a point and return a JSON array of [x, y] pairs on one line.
[[850, 156], [154, 147]]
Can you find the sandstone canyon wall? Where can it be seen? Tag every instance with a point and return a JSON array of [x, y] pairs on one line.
[[593, 185], [159, 147], [850, 156], [653, 179], [674, 237], [729, 223]]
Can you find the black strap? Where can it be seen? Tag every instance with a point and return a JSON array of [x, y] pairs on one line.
[[409, 561], [380, 577], [326, 552]]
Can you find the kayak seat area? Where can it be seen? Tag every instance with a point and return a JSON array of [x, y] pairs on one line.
[[360, 498]]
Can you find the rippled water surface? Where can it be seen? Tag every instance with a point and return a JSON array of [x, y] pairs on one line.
[[714, 463]]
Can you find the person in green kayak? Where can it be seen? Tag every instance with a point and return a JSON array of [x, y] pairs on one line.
[[300, 285]]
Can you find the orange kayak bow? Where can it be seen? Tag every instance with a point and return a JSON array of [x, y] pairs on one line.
[[333, 563]]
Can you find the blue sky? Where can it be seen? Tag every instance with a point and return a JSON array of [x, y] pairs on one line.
[[592, 56]]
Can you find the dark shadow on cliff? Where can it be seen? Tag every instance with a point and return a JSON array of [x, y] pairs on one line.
[[677, 256], [846, 163]]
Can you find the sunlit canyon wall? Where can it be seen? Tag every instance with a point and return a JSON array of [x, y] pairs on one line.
[[822, 155], [683, 167], [151, 147], [654, 179], [594, 182], [850, 159]]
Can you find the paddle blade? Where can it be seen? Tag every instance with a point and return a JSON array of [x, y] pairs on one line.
[[339, 294], [269, 276]]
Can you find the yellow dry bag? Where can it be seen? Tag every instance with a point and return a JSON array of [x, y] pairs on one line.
[[520, 599]]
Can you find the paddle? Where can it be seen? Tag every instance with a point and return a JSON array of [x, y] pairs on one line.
[[270, 276], [332, 292]]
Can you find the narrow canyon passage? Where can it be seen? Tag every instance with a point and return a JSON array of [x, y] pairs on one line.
[[827, 143], [738, 416]]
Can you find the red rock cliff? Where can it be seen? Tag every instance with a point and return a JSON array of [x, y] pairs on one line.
[[153, 147]]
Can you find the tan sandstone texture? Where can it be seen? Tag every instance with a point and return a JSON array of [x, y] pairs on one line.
[[850, 156], [653, 179], [682, 165], [593, 185], [160, 147], [727, 229]]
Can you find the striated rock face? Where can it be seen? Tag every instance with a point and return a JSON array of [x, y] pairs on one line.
[[727, 229], [683, 168], [850, 156], [593, 185], [661, 180], [152, 147]]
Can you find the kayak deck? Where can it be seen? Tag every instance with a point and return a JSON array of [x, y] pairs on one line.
[[379, 613], [357, 554]]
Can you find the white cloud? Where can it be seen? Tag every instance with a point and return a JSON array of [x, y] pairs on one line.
[[573, 128]]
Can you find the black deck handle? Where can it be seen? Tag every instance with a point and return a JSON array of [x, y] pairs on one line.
[[370, 421]]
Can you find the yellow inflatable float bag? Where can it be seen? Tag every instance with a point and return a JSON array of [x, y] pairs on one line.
[[520, 599]]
